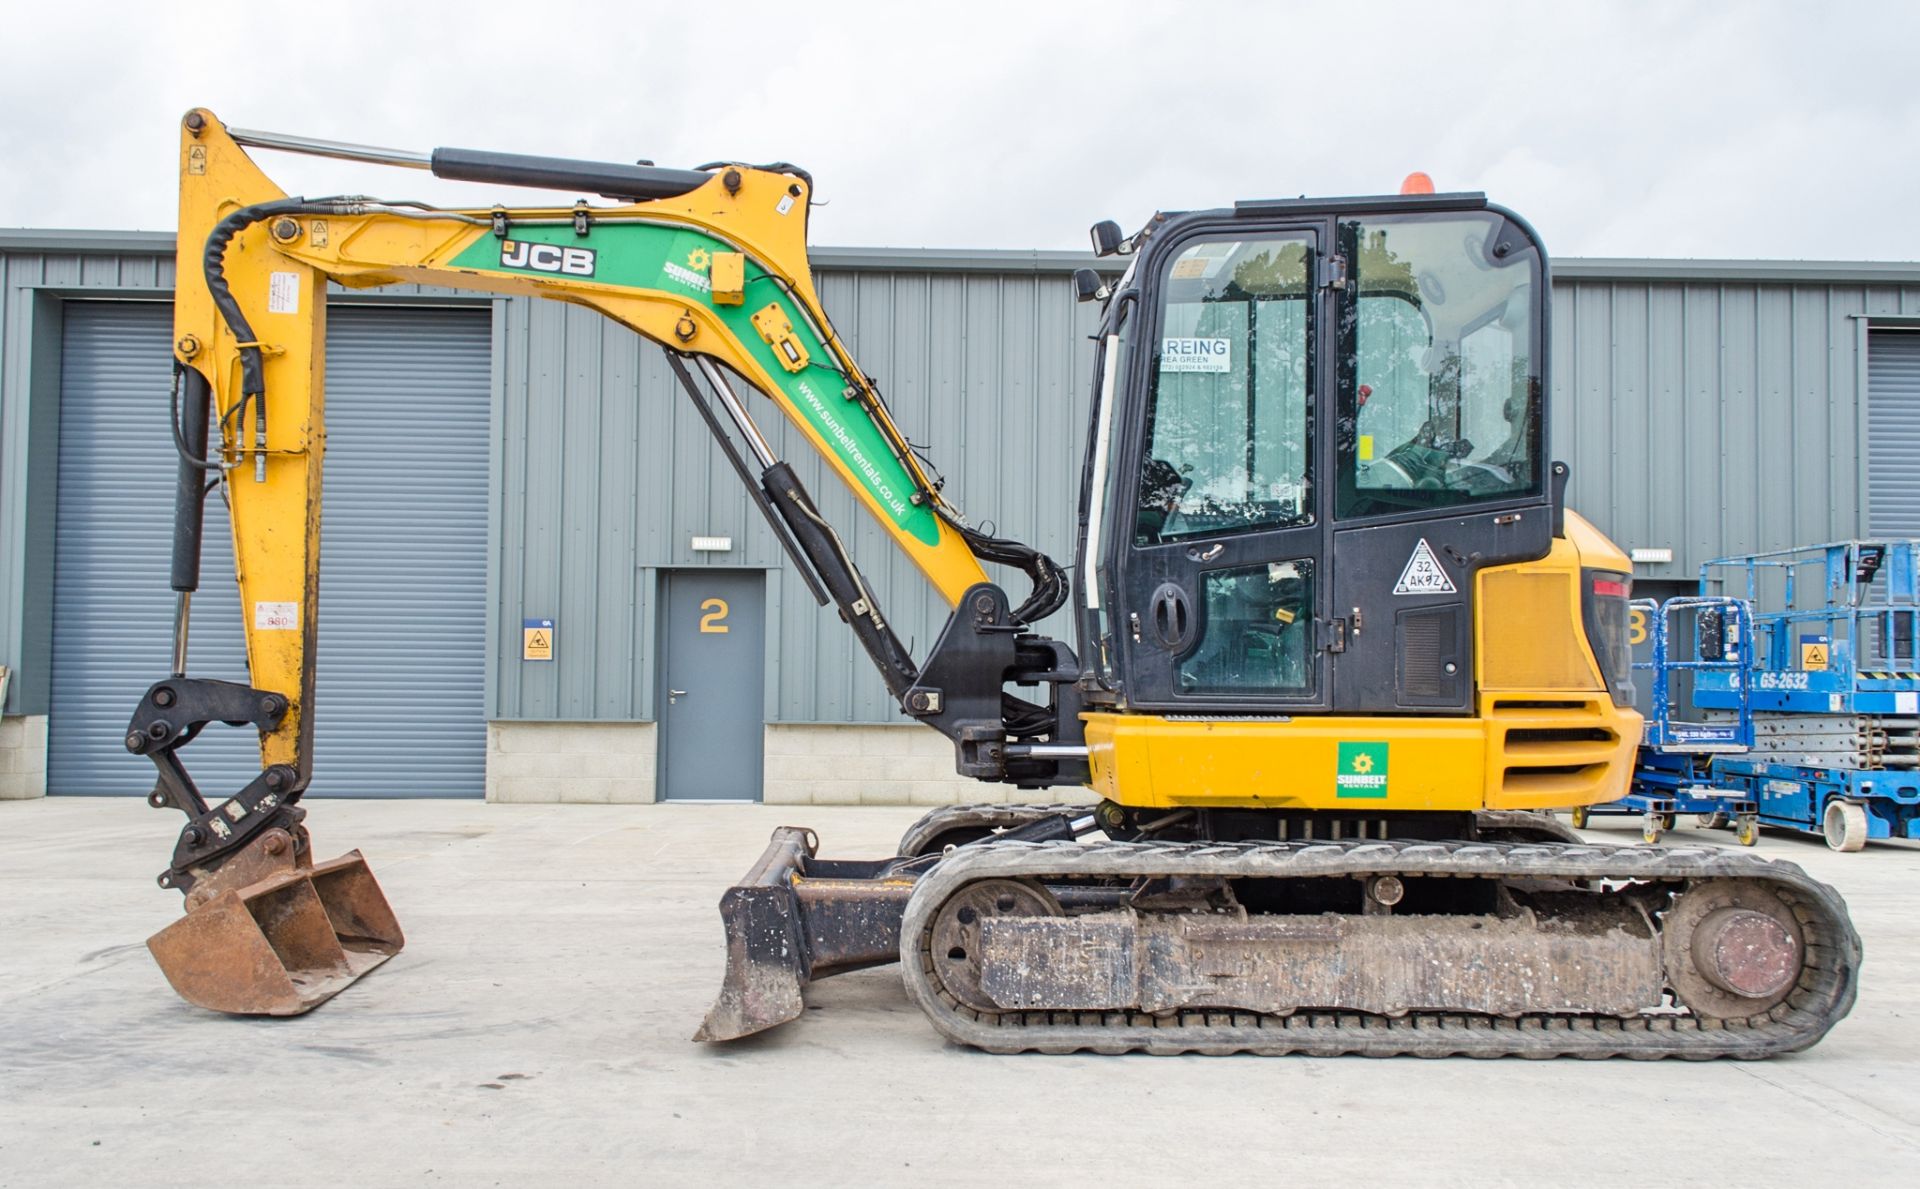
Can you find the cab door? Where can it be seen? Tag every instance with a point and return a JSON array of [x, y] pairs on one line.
[[1215, 514], [1438, 450]]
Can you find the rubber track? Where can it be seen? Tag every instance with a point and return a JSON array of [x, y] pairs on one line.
[[1824, 996], [936, 822]]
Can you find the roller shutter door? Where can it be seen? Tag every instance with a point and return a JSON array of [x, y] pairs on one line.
[[1893, 433], [399, 703]]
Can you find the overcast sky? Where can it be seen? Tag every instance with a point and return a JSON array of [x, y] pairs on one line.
[[1627, 129]]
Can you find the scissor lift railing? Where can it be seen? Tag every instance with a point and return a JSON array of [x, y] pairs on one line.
[[1834, 628], [1672, 774], [1722, 631]]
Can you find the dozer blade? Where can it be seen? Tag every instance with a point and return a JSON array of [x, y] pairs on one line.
[[794, 919], [282, 945]]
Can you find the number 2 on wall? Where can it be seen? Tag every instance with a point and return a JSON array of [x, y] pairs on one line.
[[715, 619]]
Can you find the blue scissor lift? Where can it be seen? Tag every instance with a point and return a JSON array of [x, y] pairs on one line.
[[1836, 698], [1673, 773], [1812, 705]]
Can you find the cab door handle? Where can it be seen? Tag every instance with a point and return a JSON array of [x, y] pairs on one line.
[[1172, 616], [1336, 635]]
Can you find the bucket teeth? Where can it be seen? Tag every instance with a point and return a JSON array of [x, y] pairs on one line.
[[283, 945]]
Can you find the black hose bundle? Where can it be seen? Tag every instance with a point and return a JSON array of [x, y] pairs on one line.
[[252, 378], [1050, 585]]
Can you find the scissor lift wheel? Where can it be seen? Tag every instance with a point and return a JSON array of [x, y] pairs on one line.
[[1845, 826]]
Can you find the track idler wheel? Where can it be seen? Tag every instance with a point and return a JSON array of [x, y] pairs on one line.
[[957, 948], [1732, 950]]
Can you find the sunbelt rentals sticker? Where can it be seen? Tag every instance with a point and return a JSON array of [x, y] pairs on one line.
[[1362, 771]]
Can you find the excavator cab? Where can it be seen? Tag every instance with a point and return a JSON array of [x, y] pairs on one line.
[[1319, 423]]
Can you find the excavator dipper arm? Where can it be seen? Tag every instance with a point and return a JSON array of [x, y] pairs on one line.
[[710, 264]]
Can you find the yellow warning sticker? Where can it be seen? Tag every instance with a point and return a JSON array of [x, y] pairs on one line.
[[1813, 655], [536, 639], [1366, 447]]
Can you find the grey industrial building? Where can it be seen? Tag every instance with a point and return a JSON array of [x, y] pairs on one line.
[[497, 461]]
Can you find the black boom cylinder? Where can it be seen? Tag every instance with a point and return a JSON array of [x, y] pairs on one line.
[[607, 179], [190, 491]]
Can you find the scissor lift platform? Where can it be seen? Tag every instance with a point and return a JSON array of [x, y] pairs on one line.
[[1805, 697]]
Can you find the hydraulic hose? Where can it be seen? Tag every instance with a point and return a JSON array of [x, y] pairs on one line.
[[1050, 586], [252, 375]]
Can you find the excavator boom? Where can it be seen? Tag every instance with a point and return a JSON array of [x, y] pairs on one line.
[[711, 264]]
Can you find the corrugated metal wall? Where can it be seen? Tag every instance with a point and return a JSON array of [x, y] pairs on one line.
[[608, 474], [1712, 414], [1714, 418]]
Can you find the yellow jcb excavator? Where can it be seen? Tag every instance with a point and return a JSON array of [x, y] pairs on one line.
[[1338, 638]]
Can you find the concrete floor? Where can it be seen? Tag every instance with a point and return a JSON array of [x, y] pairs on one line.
[[535, 1032]]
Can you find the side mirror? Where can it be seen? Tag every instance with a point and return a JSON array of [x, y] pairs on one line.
[[1106, 238], [1086, 285]]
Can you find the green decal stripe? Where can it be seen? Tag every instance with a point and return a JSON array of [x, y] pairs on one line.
[[673, 261], [1361, 794]]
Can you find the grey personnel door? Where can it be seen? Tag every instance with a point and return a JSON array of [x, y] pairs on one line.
[[712, 692]]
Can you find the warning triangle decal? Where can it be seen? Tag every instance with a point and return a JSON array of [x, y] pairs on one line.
[[1424, 574]]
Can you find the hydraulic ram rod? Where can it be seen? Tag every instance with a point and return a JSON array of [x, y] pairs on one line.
[[606, 178], [341, 150]]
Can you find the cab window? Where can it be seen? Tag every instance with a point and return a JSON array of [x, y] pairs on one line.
[[1440, 394], [1228, 444]]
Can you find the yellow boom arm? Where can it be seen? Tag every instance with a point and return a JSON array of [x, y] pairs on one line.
[[717, 274]]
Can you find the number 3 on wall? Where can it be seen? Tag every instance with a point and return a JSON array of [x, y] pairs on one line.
[[715, 619]]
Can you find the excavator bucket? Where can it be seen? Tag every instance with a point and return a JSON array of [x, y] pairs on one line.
[[282, 945]]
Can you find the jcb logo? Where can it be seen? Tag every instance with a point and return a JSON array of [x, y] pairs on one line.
[[575, 262]]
